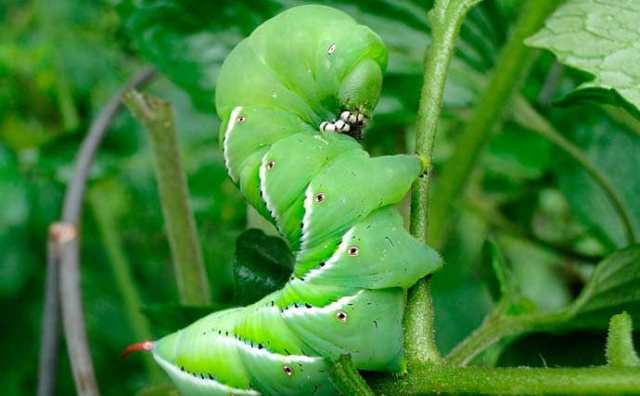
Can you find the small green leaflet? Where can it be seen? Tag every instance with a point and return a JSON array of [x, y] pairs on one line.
[[612, 289]]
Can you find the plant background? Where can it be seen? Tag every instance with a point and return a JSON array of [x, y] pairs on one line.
[[60, 62]]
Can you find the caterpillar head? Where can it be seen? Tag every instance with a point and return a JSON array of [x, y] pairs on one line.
[[357, 97], [360, 89], [360, 85]]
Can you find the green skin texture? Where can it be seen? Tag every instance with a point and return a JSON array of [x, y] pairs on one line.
[[329, 200]]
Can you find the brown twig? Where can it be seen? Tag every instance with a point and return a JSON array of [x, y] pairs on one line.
[[48, 365], [63, 263]]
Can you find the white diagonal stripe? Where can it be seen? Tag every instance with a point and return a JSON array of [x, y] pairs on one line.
[[206, 383], [340, 251], [227, 133]]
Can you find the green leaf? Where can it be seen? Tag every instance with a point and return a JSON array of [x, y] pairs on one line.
[[518, 155], [461, 301], [600, 38], [500, 280], [263, 264], [615, 151], [189, 40], [620, 351], [612, 288], [503, 283], [598, 95], [537, 273]]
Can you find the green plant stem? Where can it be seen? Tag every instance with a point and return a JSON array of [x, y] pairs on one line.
[[498, 326], [125, 284], [532, 120], [157, 116], [419, 331], [345, 377], [620, 350], [446, 18], [511, 67], [436, 379]]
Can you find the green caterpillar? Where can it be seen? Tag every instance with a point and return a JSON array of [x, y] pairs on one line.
[[293, 98]]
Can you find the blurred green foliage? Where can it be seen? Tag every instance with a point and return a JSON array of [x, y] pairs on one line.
[[61, 61]]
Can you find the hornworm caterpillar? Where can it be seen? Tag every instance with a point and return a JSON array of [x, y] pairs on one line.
[[293, 98]]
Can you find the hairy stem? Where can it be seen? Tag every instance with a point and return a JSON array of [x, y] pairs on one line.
[[511, 67], [620, 350], [420, 343], [446, 18], [435, 379], [345, 377], [528, 117], [158, 118], [105, 220]]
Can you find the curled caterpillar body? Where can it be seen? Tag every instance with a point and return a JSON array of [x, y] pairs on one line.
[[291, 96]]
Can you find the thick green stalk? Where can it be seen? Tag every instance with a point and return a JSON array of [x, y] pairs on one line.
[[436, 379], [157, 116], [345, 377], [446, 18], [419, 331], [511, 67], [125, 284]]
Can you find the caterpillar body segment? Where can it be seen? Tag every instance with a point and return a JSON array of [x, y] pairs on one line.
[[345, 192], [298, 61], [292, 97], [370, 257]]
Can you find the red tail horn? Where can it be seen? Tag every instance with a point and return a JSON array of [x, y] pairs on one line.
[[137, 347]]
